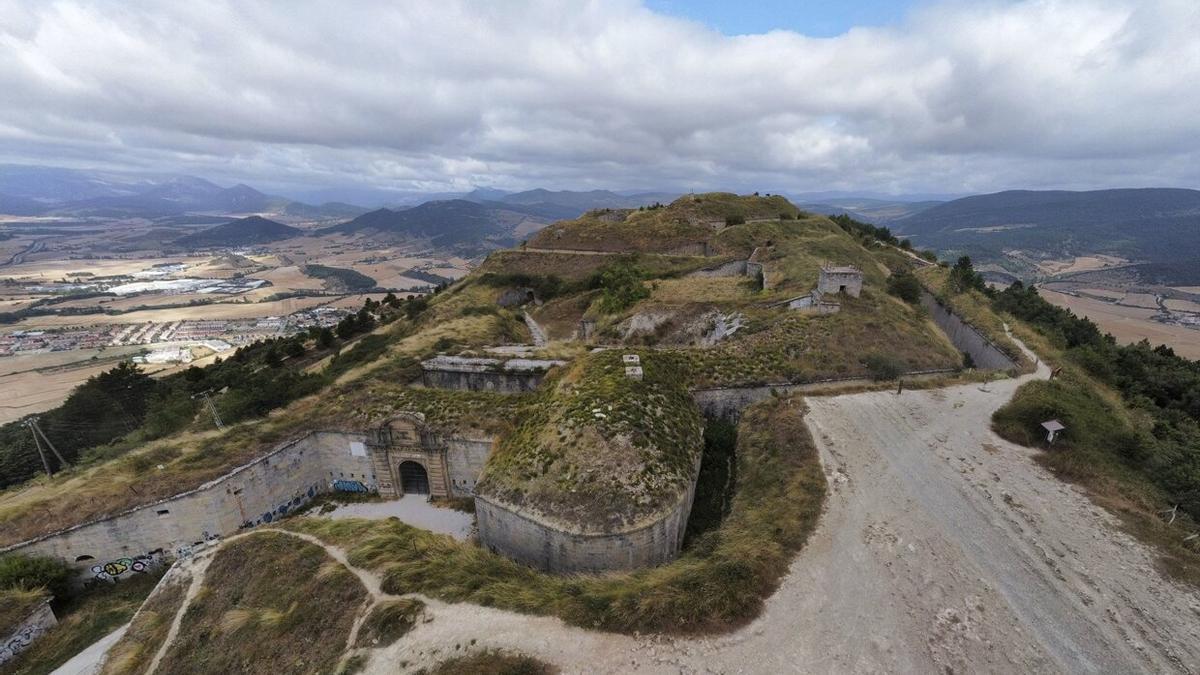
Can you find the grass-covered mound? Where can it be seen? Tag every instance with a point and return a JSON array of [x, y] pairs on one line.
[[245, 620], [135, 651], [389, 621], [686, 222], [785, 346], [493, 662], [719, 582], [598, 451]]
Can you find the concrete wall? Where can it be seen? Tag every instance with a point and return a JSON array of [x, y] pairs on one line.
[[545, 546], [259, 492], [729, 402], [736, 268], [965, 338], [511, 382], [18, 640], [465, 458]]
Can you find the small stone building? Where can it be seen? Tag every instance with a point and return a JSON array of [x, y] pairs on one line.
[[846, 279]]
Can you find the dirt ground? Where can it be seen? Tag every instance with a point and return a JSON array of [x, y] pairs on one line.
[[943, 549], [1130, 324]]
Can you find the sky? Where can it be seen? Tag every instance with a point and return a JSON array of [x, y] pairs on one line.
[[312, 97]]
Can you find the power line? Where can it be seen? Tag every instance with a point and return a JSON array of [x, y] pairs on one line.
[[33, 424], [211, 408]]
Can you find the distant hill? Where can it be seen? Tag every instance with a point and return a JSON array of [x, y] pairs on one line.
[[874, 211], [33, 190], [448, 223], [1156, 225], [244, 232]]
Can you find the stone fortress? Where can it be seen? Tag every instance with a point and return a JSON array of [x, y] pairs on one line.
[[405, 455]]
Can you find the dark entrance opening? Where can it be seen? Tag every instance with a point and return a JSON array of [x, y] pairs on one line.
[[413, 479]]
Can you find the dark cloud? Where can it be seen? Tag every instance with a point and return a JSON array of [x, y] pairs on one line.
[[443, 95]]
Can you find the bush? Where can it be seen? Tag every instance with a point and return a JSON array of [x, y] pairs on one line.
[[883, 367], [735, 220], [905, 286], [27, 573]]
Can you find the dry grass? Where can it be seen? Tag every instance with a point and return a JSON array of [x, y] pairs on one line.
[[134, 652], [389, 621], [493, 662], [719, 583], [295, 627], [82, 621]]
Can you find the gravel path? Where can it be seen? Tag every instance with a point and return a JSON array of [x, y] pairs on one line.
[[943, 548]]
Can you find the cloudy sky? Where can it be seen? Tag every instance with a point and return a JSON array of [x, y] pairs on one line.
[[944, 97]]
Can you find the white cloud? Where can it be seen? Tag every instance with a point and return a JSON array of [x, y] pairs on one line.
[[443, 94]]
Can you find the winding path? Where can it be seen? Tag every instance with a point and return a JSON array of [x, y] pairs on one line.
[[943, 548]]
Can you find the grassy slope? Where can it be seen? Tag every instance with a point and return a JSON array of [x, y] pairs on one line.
[[134, 652], [599, 451], [974, 308], [16, 605], [718, 583], [685, 221], [1090, 454], [245, 620], [81, 621]]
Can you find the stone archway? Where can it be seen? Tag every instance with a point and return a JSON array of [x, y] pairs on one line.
[[414, 479]]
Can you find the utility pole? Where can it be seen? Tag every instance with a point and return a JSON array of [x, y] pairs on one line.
[[38, 443], [211, 408], [38, 431]]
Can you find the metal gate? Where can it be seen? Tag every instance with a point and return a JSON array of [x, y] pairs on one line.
[[414, 480]]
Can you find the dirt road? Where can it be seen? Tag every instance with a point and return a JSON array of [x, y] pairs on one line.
[[943, 549]]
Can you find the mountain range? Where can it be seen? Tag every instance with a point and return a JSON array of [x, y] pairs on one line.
[[251, 231], [1160, 226]]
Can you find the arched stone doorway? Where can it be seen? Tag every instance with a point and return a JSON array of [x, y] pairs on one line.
[[414, 480]]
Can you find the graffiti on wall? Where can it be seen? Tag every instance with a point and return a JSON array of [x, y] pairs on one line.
[[340, 485], [20, 641], [115, 569]]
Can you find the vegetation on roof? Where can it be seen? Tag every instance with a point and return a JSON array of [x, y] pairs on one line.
[[685, 222], [719, 582], [597, 450]]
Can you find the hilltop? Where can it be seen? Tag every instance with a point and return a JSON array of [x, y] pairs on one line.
[[243, 232]]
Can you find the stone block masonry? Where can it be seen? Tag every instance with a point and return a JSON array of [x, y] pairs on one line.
[[965, 338], [259, 492]]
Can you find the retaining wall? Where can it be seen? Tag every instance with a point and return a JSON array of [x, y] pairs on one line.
[[259, 492], [550, 548], [508, 382], [965, 338], [18, 640], [465, 458]]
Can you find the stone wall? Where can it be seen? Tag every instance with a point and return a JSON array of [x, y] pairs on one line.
[[729, 402], [551, 548], [465, 458], [18, 640], [508, 382], [965, 338], [259, 492]]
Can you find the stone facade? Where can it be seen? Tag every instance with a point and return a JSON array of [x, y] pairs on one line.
[[833, 280], [128, 543], [26, 632], [451, 463], [511, 376], [551, 547]]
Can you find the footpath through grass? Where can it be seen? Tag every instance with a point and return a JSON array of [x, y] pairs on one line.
[[82, 620], [720, 582]]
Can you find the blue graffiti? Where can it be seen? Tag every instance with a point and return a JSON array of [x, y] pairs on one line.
[[349, 486]]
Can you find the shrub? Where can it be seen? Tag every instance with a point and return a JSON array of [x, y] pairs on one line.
[[735, 220], [905, 286], [883, 366], [24, 572]]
